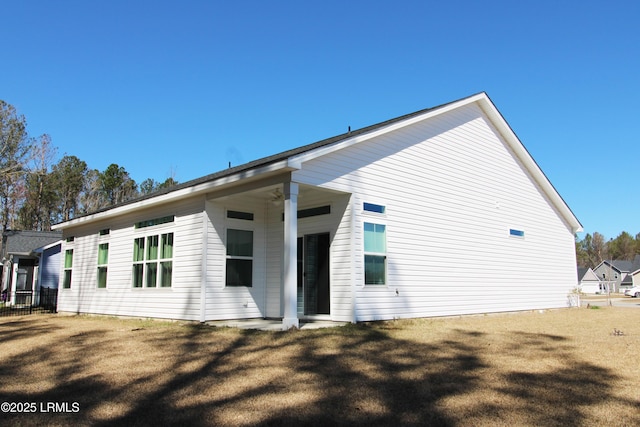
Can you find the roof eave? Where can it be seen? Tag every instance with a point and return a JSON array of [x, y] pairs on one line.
[[487, 106], [20, 254], [525, 157], [183, 193], [294, 161], [360, 137], [45, 247]]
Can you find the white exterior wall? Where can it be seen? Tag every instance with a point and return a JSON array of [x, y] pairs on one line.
[[590, 287], [452, 189], [340, 261], [590, 284], [275, 261], [181, 301], [224, 302], [337, 225], [636, 278]]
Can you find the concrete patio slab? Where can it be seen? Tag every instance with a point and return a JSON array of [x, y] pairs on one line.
[[272, 324]]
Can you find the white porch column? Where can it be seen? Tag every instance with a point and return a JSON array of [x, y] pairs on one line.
[[203, 262], [290, 319], [14, 279]]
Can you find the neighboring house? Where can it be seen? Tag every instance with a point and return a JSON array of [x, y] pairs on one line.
[[617, 273], [635, 277], [588, 282], [627, 282], [20, 264], [49, 271], [438, 212]]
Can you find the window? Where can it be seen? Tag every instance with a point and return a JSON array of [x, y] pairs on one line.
[[239, 269], [516, 233], [153, 261], [320, 210], [370, 207], [24, 272], [104, 232], [138, 264], [247, 216], [68, 265], [155, 221], [103, 259], [375, 254], [311, 212], [151, 264]]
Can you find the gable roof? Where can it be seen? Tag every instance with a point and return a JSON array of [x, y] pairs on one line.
[[293, 159], [25, 242], [587, 274], [622, 265]]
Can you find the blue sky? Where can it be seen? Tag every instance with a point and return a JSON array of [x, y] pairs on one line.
[[183, 88]]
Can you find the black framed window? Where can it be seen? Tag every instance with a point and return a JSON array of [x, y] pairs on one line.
[[239, 265]]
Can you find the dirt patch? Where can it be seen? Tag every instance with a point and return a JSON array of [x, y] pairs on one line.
[[564, 367]]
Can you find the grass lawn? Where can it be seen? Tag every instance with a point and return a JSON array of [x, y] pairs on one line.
[[561, 367]]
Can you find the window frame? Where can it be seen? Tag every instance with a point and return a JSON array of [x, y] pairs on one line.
[[67, 271], [240, 215], [234, 257], [168, 219], [146, 260], [375, 254], [374, 208], [516, 232], [103, 267]]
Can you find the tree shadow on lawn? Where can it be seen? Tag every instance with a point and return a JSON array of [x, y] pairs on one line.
[[357, 375], [23, 327]]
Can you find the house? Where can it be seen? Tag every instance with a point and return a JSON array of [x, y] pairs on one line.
[[439, 212], [588, 282], [48, 274], [635, 278], [20, 264], [618, 273]]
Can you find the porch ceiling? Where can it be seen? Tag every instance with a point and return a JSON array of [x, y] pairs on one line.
[[275, 193]]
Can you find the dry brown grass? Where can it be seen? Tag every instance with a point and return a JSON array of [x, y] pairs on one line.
[[561, 367]]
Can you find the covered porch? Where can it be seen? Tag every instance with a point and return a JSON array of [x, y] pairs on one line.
[[278, 249]]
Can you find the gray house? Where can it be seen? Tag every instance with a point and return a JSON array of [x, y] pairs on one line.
[[22, 253]]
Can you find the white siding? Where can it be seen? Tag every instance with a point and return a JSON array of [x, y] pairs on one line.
[[235, 302], [590, 284], [453, 190], [181, 301], [275, 261], [225, 303], [337, 224]]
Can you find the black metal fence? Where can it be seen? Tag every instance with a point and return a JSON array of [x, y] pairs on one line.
[[27, 303]]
